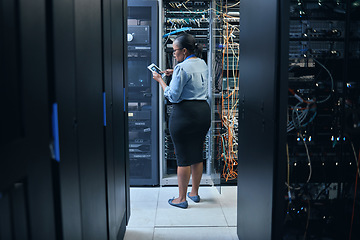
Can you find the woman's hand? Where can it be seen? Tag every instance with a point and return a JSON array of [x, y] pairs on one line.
[[168, 72], [157, 77]]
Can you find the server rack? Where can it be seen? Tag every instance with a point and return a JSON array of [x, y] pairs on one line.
[[142, 92], [193, 17], [215, 25], [323, 120], [314, 69]]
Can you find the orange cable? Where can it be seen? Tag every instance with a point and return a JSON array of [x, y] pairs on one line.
[[229, 155]]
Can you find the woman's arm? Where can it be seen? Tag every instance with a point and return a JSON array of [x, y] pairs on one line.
[[159, 79]]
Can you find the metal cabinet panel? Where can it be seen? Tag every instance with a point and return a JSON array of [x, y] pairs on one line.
[[115, 48], [19, 210], [262, 115], [89, 73], [65, 91], [6, 232], [26, 158]]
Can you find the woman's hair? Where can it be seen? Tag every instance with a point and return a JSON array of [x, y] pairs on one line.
[[187, 41]]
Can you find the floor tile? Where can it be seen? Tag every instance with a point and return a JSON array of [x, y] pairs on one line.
[[228, 202], [139, 233], [205, 213], [144, 194], [233, 232], [153, 218], [229, 190], [142, 214], [230, 212], [167, 192], [209, 194], [192, 233]]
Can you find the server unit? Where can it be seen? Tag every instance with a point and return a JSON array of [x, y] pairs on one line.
[[142, 92]]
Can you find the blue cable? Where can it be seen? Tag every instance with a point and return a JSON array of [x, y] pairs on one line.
[[177, 31]]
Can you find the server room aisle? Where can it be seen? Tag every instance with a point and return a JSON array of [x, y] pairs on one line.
[[152, 218]]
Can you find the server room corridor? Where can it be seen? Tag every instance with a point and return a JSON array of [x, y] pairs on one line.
[[85, 147], [152, 218]]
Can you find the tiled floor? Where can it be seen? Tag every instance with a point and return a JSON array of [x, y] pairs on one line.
[[152, 218]]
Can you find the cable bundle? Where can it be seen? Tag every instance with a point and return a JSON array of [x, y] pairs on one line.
[[229, 99]]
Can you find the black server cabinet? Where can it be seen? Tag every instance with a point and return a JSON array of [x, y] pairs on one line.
[[324, 60], [142, 92], [89, 72], [79, 96], [262, 118], [27, 206], [63, 144]]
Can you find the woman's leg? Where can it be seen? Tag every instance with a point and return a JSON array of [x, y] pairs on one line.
[[196, 172], [183, 175]]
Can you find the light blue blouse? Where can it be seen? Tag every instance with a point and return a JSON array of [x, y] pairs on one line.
[[189, 81]]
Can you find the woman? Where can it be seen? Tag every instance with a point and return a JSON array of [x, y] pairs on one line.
[[190, 119]]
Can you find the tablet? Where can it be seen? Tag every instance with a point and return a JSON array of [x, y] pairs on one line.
[[152, 67]]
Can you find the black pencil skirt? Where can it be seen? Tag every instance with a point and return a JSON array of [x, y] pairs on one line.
[[189, 123]]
